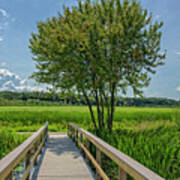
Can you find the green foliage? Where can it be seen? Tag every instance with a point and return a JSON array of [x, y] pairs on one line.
[[157, 149], [41, 96], [97, 49], [8, 98], [32, 118], [9, 140], [149, 135], [147, 102], [24, 118]]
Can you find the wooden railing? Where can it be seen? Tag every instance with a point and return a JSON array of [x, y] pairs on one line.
[[126, 164], [28, 151]]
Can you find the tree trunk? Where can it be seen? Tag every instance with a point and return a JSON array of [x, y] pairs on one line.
[[90, 109], [98, 109], [107, 107], [112, 107], [102, 111]]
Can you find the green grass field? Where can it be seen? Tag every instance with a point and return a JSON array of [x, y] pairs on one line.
[[149, 135], [31, 118]]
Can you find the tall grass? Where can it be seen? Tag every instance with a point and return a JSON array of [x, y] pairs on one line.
[[9, 140], [149, 135], [158, 149], [31, 118]]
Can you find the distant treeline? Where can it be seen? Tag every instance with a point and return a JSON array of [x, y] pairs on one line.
[[42, 98]]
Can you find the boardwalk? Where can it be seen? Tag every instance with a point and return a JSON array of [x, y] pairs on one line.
[[62, 160]]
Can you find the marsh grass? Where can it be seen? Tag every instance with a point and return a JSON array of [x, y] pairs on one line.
[[149, 135], [31, 118], [9, 140]]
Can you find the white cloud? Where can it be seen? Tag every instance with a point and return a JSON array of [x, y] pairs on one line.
[[178, 88], [4, 12], [10, 81], [29, 88], [6, 72], [23, 81]]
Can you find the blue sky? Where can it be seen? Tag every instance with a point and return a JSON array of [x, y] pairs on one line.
[[18, 18]]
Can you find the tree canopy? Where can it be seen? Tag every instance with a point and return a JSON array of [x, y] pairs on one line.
[[98, 49]]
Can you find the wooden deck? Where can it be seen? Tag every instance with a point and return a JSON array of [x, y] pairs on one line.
[[62, 160]]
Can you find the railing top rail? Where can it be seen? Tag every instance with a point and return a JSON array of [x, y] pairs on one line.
[[10, 160], [128, 164]]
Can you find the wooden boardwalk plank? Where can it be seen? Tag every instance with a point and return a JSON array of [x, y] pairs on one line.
[[62, 160]]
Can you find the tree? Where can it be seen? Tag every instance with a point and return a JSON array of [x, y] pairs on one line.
[[98, 49]]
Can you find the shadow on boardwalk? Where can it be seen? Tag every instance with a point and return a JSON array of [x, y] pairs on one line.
[[61, 160], [66, 146]]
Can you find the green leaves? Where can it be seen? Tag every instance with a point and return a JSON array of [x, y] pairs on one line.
[[98, 44]]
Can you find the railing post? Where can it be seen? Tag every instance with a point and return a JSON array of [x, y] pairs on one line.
[[10, 176], [71, 131], [41, 139], [27, 162], [46, 134], [88, 148], [81, 137], [73, 134], [68, 130], [98, 159], [35, 149], [81, 140], [122, 174], [76, 137]]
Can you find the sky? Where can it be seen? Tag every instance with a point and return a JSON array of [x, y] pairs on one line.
[[18, 19]]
